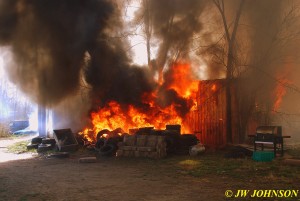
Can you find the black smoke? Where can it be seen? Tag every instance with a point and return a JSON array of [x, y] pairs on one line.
[[49, 39], [113, 78]]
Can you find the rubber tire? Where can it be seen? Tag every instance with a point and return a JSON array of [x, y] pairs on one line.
[[100, 133], [32, 146], [108, 150], [49, 141], [100, 143], [44, 148], [60, 155], [114, 140], [36, 140]]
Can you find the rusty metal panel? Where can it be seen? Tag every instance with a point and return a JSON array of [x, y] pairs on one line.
[[208, 120]]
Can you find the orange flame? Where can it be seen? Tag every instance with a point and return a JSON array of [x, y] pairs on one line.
[[183, 83], [280, 89], [114, 115]]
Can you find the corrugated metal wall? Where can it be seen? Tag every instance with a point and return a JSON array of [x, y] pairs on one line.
[[208, 120]]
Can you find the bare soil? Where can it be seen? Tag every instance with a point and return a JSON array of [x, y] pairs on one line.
[[109, 179], [175, 178]]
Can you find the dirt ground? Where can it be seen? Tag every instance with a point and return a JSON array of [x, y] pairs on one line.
[[127, 179], [108, 179]]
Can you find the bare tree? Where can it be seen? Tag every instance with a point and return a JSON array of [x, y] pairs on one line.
[[230, 63], [253, 55], [147, 28], [172, 24]]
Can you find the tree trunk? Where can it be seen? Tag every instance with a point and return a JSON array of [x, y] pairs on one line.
[[147, 30], [229, 76], [230, 38], [164, 49], [228, 112]]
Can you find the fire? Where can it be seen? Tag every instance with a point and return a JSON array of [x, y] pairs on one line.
[[87, 133], [280, 89], [115, 115], [182, 82], [214, 87]]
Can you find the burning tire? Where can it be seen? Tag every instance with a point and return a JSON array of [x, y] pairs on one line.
[[102, 132], [108, 150]]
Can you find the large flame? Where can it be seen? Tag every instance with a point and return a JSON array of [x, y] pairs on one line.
[[115, 115], [182, 82], [282, 82], [280, 91]]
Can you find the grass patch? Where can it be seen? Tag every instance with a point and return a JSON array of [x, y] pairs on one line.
[[207, 165], [20, 147], [189, 164], [216, 164]]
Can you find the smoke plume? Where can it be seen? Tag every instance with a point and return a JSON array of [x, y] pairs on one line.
[[174, 23], [49, 39]]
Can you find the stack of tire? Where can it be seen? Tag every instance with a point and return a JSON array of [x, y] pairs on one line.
[[42, 144], [108, 146]]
